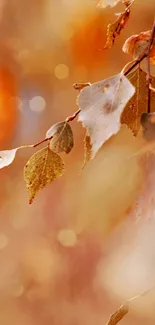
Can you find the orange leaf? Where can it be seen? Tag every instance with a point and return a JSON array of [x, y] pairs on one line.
[[138, 44], [114, 29]]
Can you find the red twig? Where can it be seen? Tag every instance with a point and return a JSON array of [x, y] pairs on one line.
[[72, 117]]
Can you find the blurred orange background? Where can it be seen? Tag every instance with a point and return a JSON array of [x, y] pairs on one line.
[[79, 251]]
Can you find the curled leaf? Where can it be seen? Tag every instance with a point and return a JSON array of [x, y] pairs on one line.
[[42, 168], [135, 45], [62, 139], [114, 29], [7, 157], [101, 106], [138, 103], [81, 85]]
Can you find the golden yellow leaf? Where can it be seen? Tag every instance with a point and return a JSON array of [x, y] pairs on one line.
[[62, 137], [138, 103], [42, 168], [114, 29]]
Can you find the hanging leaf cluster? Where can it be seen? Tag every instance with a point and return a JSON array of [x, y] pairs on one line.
[[126, 98]]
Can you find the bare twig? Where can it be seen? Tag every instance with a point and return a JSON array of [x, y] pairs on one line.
[[118, 315], [124, 309], [40, 142], [135, 63], [72, 117]]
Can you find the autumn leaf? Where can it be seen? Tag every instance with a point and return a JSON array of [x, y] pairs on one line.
[[105, 3], [138, 44], [81, 85], [118, 315], [42, 168], [62, 137], [101, 106], [138, 103], [7, 157], [114, 29]]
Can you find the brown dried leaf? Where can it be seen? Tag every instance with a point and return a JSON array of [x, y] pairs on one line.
[[138, 103], [62, 137], [118, 315], [138, 44], [42, 168], [114, 29], [101, 106], [87, 149], [81, 85]]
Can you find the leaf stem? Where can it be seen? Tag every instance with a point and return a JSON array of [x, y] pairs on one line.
[[40, 142], [135, 63], [124, 309], [72, 117]]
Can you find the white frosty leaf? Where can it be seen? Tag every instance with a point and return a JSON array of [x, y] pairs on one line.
[[101, 106], [105, 3], [7, 157]]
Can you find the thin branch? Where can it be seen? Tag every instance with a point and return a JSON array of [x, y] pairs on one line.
[[72, 117], [40, 142], [135, 63], [124, 309]]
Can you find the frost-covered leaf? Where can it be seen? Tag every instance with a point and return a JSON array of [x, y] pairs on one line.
[[7, 157], [114, 29], [105, 3], [62, 137], [138, 103], [135, 45], [42, 168], [101, 106]]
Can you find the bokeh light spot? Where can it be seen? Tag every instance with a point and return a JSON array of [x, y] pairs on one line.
[[37, 104], [61, 71], [67, 237], [17, 102]]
